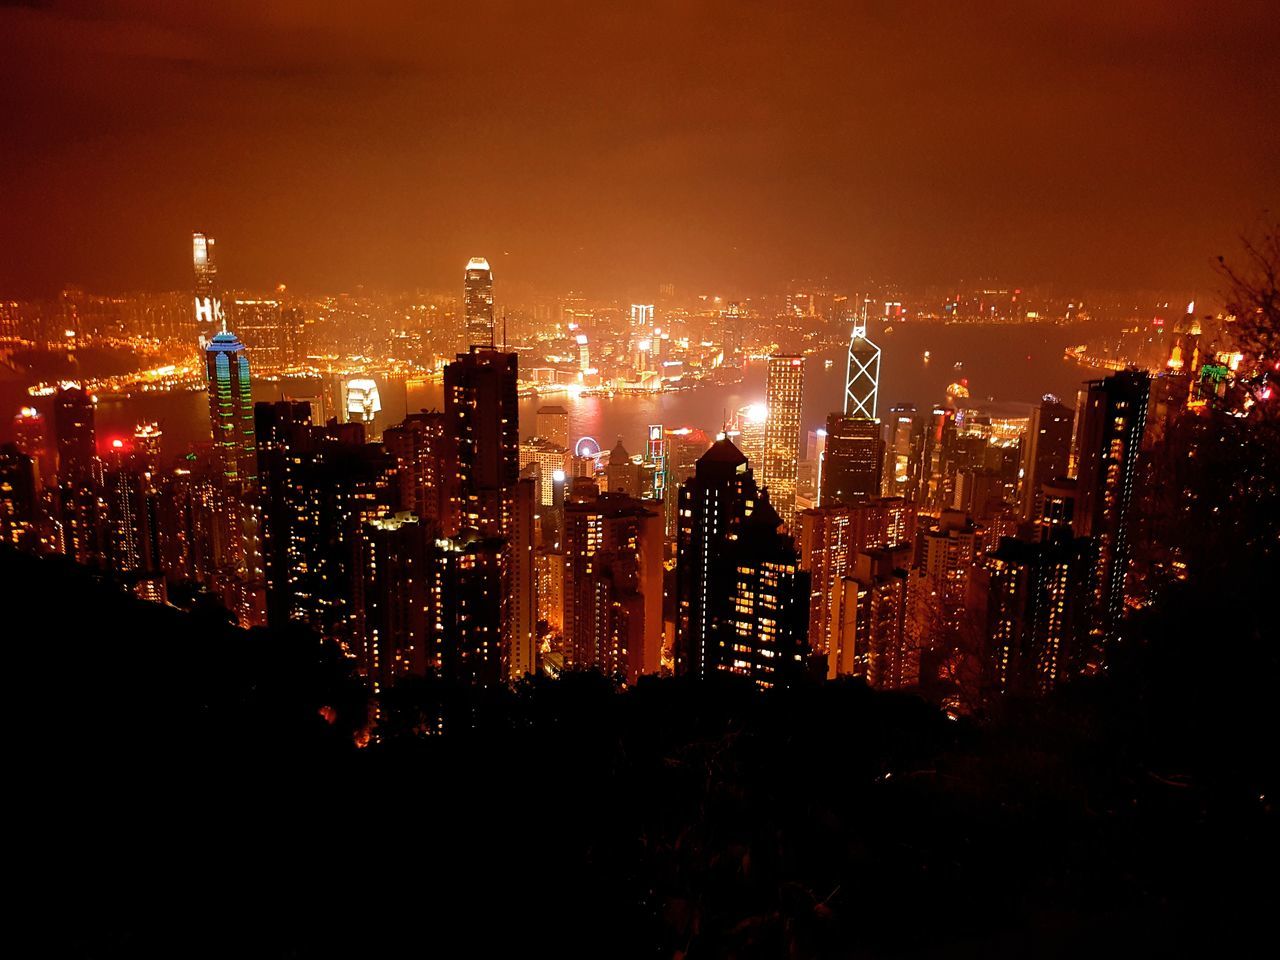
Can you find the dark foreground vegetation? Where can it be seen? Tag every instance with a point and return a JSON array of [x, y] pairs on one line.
[[181, 788]]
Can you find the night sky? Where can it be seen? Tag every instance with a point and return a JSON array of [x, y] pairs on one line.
[[722, 146]]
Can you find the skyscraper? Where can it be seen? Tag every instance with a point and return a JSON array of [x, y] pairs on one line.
[[1113, 414], [904, 449], [31, 438], [79, 474], [830, 540], [713, 503], [862, 373], [869, 636], [73, 425], [231, 407], [477, 303], [1038, 612], [1046, 453], [208, 305], [760, 630], [784, 396], [319, 484], [480, 404], [851, 460], [17, 496]]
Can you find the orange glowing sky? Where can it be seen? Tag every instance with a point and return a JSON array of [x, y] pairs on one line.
[[717, 145]]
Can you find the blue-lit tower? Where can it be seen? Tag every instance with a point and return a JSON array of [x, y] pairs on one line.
[[231, 408]]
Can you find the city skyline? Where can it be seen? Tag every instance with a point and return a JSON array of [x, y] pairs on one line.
[[689, 480]]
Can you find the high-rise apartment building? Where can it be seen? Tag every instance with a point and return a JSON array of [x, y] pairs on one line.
[[830, 539], [760, 629], [869, 611], [712, 504], [422, 445], [1113, 416], [480, 405], [1046, 452], [318, 485], [1038, 612], [613, 552]]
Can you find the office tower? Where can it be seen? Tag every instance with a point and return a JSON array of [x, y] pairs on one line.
[[392, 601], [936, 468], [521, 656], [732, 320], [712, 504], [480, 404], [318, 485], [259, 325], [904, 450], [641, 319], [1112, 419], [831, 537], [761, 632], [862, 373], [477, 303], [1038, 612], [30, 436], [363, 404], [852, 460], [147, 438], [869, 635], [17, 497], [621, 474], [208, 305], [553, 425], [784, 397], [748, 432], [613, 551], [422, 446], [1046, 452], [231, 407], [550, 458]]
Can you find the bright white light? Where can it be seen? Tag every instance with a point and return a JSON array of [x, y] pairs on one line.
[[756, 413]]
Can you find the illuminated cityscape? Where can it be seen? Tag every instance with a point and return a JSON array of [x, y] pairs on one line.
[[778, 542]]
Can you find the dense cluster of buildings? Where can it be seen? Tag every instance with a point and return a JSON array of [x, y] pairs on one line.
[[937, 550]]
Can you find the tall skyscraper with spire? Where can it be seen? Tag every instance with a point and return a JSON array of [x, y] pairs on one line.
[[231, 407], [477, 303], [862, 373], [784, 396]]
